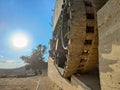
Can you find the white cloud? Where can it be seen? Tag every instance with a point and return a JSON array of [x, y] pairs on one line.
[[8, 64], [1, 56], [11, 61]]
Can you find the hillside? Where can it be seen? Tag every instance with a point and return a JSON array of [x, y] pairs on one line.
[[20, 70]]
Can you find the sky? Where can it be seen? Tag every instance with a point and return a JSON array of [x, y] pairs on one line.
[[32, 18]]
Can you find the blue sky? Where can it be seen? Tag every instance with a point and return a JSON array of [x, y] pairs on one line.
[[31, 17]]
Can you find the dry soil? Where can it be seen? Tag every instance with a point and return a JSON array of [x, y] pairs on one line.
[[41, 82]]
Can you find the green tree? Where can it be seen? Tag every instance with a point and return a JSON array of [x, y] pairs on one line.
[[36, 60]]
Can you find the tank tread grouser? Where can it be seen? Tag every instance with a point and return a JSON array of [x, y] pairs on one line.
[[80, 28]]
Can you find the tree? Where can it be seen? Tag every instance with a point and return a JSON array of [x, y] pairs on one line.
[[36, 60]]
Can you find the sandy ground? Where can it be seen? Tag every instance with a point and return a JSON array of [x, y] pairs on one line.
[[41, 82]]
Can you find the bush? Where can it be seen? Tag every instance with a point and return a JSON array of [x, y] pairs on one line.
[[3, 76]]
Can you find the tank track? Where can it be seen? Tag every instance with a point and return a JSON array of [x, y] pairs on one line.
[[82, 37]]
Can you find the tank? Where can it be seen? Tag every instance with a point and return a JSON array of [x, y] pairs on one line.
[[74, 45]]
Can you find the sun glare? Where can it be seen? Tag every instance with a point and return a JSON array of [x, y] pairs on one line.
[[20, 40]]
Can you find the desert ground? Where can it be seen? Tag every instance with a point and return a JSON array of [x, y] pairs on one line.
[[41, 82]]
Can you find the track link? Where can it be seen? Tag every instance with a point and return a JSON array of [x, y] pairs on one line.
[[83, 38], [78, 23]]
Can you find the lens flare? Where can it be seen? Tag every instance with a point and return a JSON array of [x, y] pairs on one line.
[[20, 40]]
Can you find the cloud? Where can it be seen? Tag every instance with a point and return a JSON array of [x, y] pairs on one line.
[[10, 61], [1, 56], [11, 64], [2, 61]]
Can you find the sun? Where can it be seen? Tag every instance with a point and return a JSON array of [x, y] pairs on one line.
[[20, 40]]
